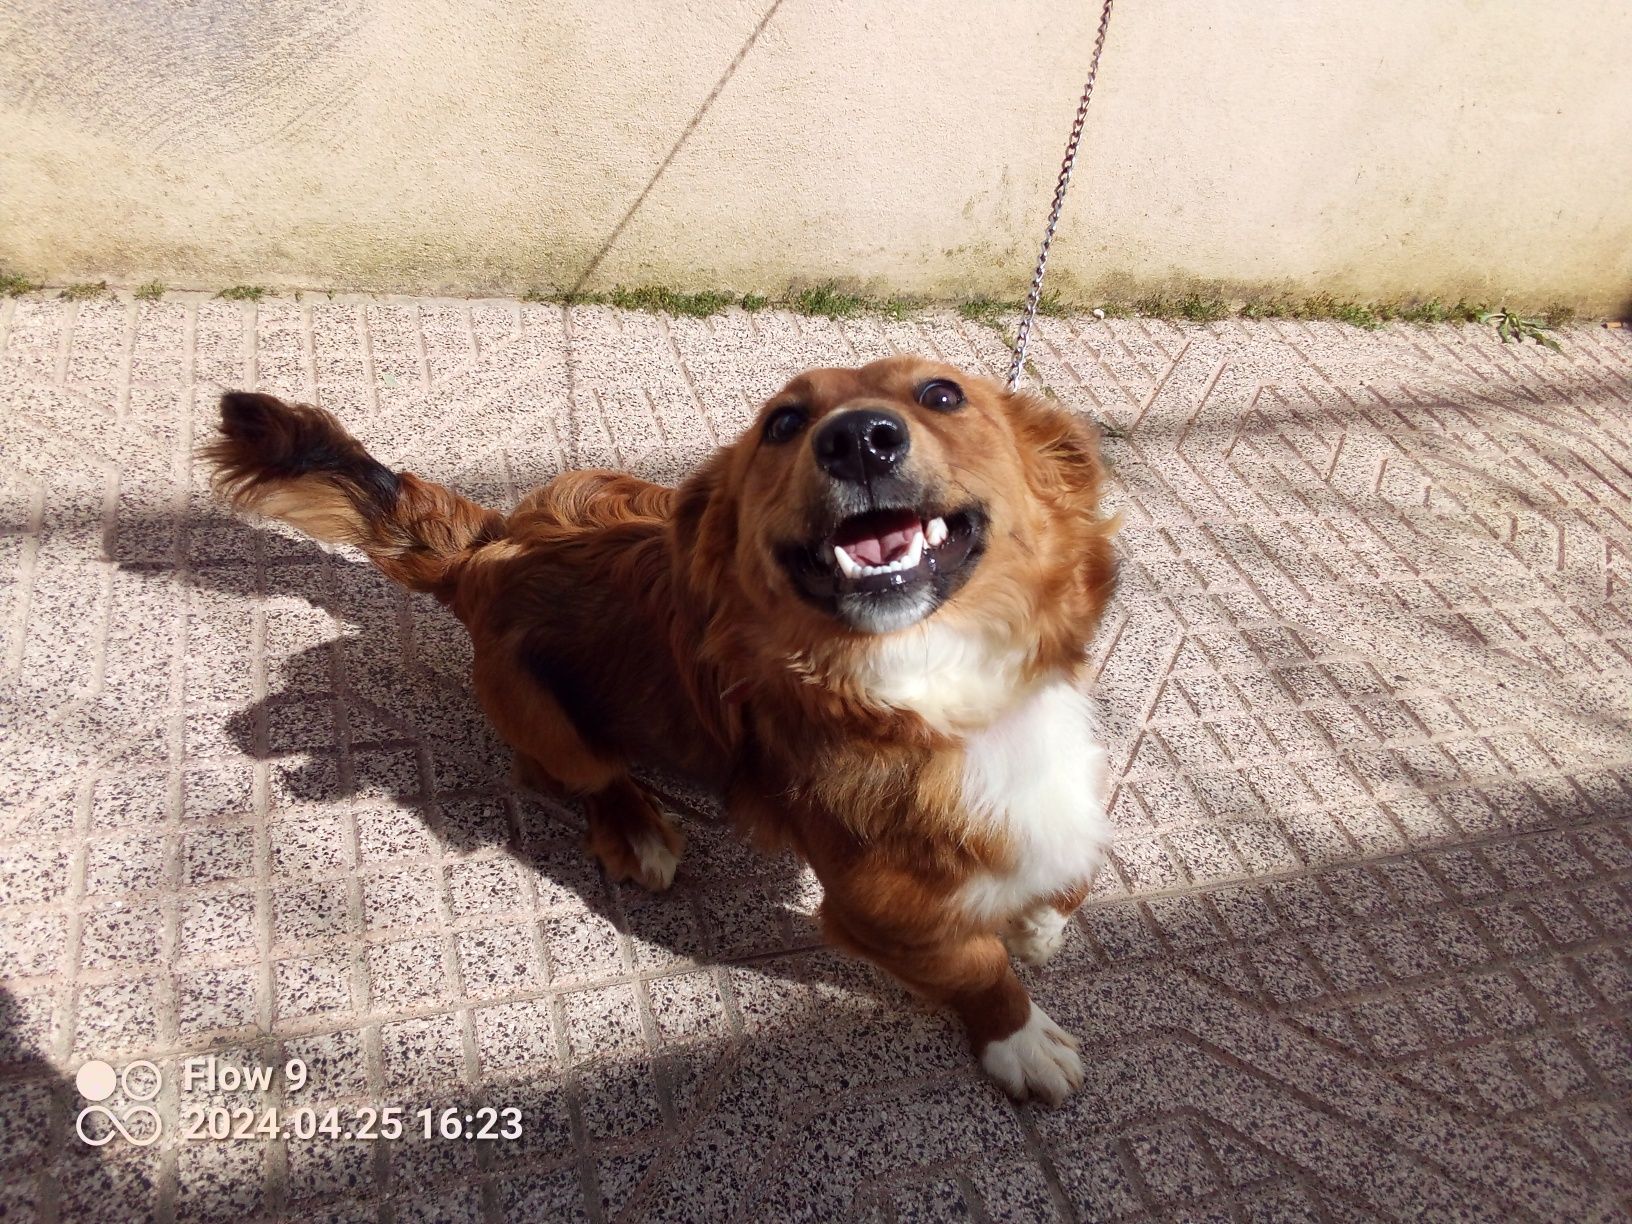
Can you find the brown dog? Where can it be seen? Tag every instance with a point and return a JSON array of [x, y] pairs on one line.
[[863, 622]]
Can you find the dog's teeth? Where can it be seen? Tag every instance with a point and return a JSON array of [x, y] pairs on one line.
[[851, 568], [935, 532]]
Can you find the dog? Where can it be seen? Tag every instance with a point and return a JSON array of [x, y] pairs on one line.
[[863, 622]]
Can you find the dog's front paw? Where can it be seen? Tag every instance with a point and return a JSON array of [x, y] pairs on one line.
[[1036, 936], [649, 855], [1039, 1060], [656, 861]]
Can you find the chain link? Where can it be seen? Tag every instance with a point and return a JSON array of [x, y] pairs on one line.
[[1033, 299]]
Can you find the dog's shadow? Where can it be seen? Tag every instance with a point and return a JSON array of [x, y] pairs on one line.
[[382, 717], [355, 697]]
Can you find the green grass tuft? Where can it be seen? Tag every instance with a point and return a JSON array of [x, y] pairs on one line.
[[242, 293], [985, 310], [1199, 309], [1052, 305], [1431, 311], [11, 285], [1194, 307], [670, 302], [84, 291], [567, 298], [754, 301], [1325, 306], [150, 292], [826, 300], [1267, 308], [898, 309]]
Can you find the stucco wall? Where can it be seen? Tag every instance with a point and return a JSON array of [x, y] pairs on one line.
[[1382, 148]]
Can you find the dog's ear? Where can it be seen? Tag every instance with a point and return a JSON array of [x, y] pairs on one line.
[[1061, 454], [704, 523], [1061, 451]]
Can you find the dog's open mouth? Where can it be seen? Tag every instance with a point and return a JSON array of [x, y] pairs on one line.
[[883, 554]]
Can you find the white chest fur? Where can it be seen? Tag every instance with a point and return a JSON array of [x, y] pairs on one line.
[[1037, 776], [949, 676]]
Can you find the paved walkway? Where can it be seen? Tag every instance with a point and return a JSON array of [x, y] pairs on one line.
[[1365, 951]]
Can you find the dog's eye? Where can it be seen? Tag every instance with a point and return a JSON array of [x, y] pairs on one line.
[[784, 424], [941, 394]]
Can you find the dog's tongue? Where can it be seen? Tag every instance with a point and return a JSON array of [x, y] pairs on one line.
[[880, 537]]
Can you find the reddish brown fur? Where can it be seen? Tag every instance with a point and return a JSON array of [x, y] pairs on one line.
[[609, 616]]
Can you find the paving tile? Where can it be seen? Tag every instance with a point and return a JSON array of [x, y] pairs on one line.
[[212, 855], [307, 913], [217, 924], [405, 972], [499, 960], [116, 866], [312, 986], [422, 1052], [209, 1000]]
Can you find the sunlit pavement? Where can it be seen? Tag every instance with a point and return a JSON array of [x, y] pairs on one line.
[[1363, 951]]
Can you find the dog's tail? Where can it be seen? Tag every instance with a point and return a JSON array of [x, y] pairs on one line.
[[296, 463]]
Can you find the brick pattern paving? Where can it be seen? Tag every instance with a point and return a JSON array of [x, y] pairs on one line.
[[1365, 949]]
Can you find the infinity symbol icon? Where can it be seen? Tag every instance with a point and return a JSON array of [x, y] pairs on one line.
[[96, 1081], [118, 1124]]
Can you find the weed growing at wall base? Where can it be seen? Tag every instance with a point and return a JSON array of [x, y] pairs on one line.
[[825, 300], [1193, 307], [1512, 326], [669, 302], [828, 300], [986, 310], [1434, 311]]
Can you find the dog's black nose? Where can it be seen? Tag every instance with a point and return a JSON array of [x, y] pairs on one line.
[[862, 443]]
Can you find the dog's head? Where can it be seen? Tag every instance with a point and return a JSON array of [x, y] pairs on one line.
[[862, 502]]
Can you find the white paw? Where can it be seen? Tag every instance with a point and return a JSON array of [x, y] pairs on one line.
[[1036, 936], [1039, 1060], [657, 862]]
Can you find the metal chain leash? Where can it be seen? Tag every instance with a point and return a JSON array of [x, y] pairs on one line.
[[1023, 337]]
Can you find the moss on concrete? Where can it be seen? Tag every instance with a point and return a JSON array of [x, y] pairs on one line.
[[1192, 303]]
